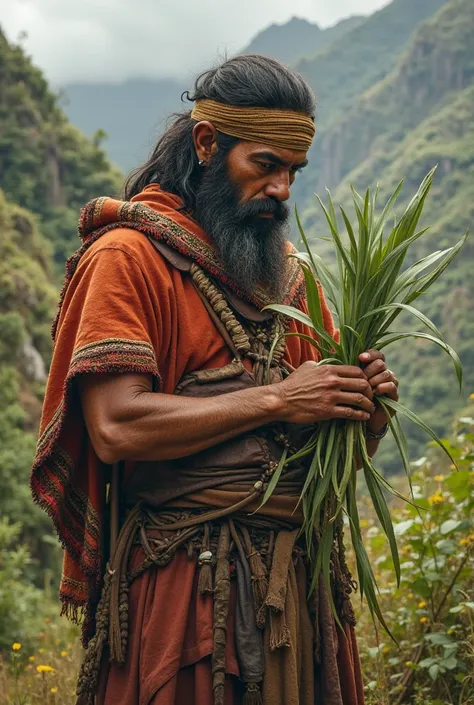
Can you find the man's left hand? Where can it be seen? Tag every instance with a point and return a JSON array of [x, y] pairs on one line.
[[383, 383]]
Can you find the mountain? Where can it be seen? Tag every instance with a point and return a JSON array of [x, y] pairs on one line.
[[344, 70], [420, 115], [297, 38], [133, 113]]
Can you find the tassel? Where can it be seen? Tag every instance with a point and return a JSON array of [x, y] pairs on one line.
[[205, 583], [252, 695], [205, 560], [279, 632]]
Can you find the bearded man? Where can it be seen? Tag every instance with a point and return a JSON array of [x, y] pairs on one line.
[[165, 416]]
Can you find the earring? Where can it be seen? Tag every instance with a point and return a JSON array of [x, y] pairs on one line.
[[201, 162]]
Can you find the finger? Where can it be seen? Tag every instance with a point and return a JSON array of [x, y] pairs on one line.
[[349, 371], [385, 376], [388, 389], [359, 400], [375, 368], [371, 355], [351, 384], [347, 412]]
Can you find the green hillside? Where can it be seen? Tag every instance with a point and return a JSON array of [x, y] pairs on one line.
[[298, 38], [48, 169], [27, 304], [364, 55], [343, 71], [46, 164], [422, 114]]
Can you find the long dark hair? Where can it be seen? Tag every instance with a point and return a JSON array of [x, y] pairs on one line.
[[248, 80]]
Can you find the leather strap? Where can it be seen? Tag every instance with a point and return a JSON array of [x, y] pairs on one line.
[[183, 263]]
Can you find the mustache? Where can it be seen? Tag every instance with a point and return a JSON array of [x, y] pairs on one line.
[[255, 207]]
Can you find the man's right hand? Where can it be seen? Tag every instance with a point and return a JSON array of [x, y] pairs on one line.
[[315, 393]]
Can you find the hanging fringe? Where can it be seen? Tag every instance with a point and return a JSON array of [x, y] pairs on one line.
[[205, 560], [253, 695], [279, 632], [259, 578], [89, 673]]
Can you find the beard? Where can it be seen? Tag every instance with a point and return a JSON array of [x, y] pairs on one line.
[[252, 248]]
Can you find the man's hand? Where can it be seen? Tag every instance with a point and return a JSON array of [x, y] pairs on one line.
[[318, 393], [382, 382]]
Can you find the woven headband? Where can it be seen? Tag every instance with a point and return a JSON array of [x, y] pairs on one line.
[[279, 128]]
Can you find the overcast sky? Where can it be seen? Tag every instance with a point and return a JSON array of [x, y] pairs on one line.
[[112, 40]]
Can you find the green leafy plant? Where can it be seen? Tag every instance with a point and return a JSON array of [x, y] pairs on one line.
[[371, 290], [432, 611]]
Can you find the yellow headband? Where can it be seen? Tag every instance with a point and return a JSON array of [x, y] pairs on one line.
[[278, 128]]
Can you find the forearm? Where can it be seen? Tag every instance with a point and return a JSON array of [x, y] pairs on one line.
[[165, 426]]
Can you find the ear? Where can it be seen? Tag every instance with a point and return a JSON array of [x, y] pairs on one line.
[[205, 140]]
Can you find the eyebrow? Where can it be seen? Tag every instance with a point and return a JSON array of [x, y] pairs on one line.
[[269, 156]]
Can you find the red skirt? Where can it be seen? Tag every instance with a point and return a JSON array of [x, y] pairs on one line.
[[171, 641]]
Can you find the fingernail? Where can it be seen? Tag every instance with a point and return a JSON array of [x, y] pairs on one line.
[[365, 356], [366, 417]]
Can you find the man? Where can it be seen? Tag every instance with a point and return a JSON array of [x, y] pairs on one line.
[[166, 368]]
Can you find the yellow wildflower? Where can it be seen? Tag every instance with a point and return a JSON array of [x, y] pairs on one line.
[[408, 664], [467, 540], [421, 605], [471, 396], [386, 649], [450, 631], [63, 654], [439, 478], [436, 498], [452, 467], [43, 668], [424, 620], [54, 690], [363, 523], [41, 651], [16, 646], [31, 658], [47, 620]]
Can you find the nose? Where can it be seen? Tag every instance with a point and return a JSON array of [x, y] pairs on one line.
[[278, 186]]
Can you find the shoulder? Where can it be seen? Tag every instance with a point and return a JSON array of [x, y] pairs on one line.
[[128, 248]]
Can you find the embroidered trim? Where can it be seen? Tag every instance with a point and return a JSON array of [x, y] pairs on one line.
[[76, 521]]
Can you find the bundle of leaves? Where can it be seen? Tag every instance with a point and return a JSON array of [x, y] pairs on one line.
[[372, 289]]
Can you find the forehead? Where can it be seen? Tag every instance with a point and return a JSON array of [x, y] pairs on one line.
[[287, 157]]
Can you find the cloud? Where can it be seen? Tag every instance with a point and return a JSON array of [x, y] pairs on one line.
[[112, 40]]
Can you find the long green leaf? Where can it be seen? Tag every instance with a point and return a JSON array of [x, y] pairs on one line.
[[416, 420], [274, 478], [394, 336]]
